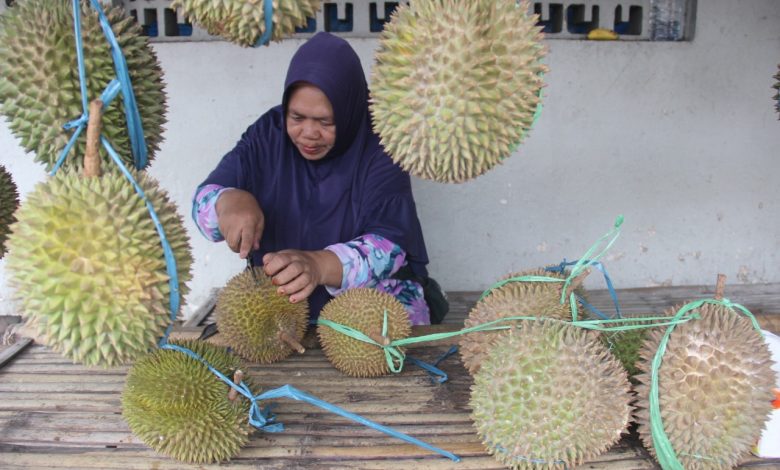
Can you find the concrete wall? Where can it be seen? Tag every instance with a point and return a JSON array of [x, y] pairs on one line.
[[681, 138]]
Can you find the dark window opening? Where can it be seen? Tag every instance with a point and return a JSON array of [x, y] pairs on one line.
[[332, 22], [554, 23], [575, 19]]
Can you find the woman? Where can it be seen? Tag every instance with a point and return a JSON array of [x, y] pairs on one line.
[[309, 192]]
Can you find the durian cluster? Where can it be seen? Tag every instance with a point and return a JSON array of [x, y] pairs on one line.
[[456, 85], [9, 201], [243, 21], [39, 81], [532, 403]]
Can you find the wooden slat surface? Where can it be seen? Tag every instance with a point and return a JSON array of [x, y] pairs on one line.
[[55, 414]]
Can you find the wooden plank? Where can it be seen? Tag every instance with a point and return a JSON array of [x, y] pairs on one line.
[[14, 349]]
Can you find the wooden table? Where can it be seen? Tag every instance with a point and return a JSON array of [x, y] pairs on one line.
[[55, 414]]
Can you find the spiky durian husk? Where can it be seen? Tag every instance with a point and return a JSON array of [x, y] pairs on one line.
[[9, 202], [777, 87], [251, 316], [456, 85], [521, 298], [715, 388], [179, 408], [88, 265], [243, 21], [362, 309], [39, 83], [625, 345], [549, 396]]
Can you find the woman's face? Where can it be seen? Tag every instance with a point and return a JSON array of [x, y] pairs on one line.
[[310, 122]]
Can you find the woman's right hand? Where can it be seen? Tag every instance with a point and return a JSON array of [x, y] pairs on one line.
[[241, 220]]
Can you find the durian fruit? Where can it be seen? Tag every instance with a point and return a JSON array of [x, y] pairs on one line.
[[243, 21], [88, 266], [39, 83], [521, 298], [777, 87], [362, 309], [259, 324], [9, 202], [549, 396], [715, 388], [625, 345], [456, 85], [179, 408]]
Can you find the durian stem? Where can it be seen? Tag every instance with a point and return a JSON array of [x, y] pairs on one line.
[[292, 342], [383, 340], [577, 282], [94, 126], [720, 287], [237, 378]]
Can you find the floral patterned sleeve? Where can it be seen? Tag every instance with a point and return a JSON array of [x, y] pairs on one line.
[[369, 261], [204, 211]]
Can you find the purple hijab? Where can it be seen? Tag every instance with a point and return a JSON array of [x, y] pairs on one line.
[[355, 190]]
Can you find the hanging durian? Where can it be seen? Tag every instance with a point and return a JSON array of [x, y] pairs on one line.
[[715, 388], [243, 21], [178, 407], [362, 309], [777, 87], [520, 298], [456, 85], [9, 202], [259, 324], [549, 396], [39, 82], [88, 265]]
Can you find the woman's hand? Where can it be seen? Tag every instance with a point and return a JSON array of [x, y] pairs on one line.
[[298, 272], [241, 220]]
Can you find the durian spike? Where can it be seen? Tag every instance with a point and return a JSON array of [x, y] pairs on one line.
[[237, 378], [94, 127], [292, 342], [577, 282], [720, 286]]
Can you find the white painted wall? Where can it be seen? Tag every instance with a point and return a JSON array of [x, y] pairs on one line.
[[681, 138]]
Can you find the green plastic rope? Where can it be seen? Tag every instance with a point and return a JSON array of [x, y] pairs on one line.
[[666, 455], [585, 261], [393, 354]]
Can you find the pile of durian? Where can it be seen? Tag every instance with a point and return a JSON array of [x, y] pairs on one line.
[[549, 395]]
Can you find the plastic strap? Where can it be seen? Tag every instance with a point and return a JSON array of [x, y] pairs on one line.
[[589, 258], [170, 260], [665, 453], [391, 350], [132, 115], [436, 375], [561, 267], [259, 418], [268, 17]]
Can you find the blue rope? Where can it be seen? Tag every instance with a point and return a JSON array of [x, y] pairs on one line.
[[436, 375], [132, 115], [560, 268], [268, 16], [263, 419], [170, 260]]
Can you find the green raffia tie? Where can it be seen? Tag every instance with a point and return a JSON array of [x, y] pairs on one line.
[[667, 456]]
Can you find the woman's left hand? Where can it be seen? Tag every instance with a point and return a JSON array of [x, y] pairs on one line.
[[298, 272]]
